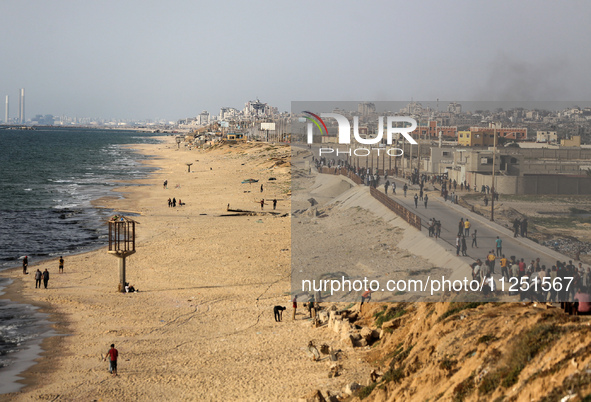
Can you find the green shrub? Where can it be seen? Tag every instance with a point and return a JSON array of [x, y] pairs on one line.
[[528, 344], [457, 307], [389, 315], [365, 391], [463, 389]]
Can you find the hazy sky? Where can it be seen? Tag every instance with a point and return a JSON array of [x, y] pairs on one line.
[[172, 59]]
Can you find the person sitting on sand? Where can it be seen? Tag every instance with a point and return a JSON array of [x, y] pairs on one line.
[[129, 288]]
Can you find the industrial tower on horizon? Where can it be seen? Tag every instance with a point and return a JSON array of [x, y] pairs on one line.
[[21, 107]]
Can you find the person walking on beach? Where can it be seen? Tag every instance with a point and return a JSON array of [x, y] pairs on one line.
[[165, 184], [45, 278], [262, 203], [261, 188], [61, 269], [295, 306], [113, 354], [38, 276], [274, 203], [173, 202], [25, 264]]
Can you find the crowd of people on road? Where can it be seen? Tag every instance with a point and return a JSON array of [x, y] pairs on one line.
[[530, 281]]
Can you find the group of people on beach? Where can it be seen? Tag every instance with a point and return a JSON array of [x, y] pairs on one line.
[[172, 203], [262, 202], [41, 276]]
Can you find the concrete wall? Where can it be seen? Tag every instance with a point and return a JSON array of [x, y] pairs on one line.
[[530, 184]]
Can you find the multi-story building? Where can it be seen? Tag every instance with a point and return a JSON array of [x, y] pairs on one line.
[[432, 130], [574, 141], [228, 113], [454, 108], [258, 109], [366, 108], [203, 118], [510, 133], [480, 138], [546, 136], [517, 170]]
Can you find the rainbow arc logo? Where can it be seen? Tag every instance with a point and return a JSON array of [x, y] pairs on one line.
[[315, 120]]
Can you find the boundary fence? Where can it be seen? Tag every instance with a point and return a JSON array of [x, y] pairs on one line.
[[392, 205], [398, 209]]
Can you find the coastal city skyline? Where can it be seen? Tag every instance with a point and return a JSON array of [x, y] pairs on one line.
[[160, 63]]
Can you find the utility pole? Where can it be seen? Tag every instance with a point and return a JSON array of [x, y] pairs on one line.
[[419, 160], [492, 203]]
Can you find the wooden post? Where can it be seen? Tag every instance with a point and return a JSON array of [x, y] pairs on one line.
[[122, 274]]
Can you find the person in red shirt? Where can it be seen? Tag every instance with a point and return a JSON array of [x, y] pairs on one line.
[[112, 354], [366, 296], [521, 267], [584, 302]]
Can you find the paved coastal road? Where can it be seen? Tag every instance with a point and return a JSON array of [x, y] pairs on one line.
[[450, 214]]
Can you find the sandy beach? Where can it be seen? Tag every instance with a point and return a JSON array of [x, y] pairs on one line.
[[202, 325]]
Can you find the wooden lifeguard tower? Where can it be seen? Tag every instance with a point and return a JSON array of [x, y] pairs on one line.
[[121, 243]]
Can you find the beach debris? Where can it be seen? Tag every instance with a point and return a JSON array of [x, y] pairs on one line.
[[312, 351], [324, 349], [334, 355], [272, 178], [313, 396], [375, 375], [249, 181], [333, 398], [335, 370], [259, 221], [351, 388], [568, 246], [366, 333]]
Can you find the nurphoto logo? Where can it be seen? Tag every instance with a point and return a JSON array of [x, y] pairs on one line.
[[395, 125]]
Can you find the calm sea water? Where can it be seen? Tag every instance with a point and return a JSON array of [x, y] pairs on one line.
[[48, 178]]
